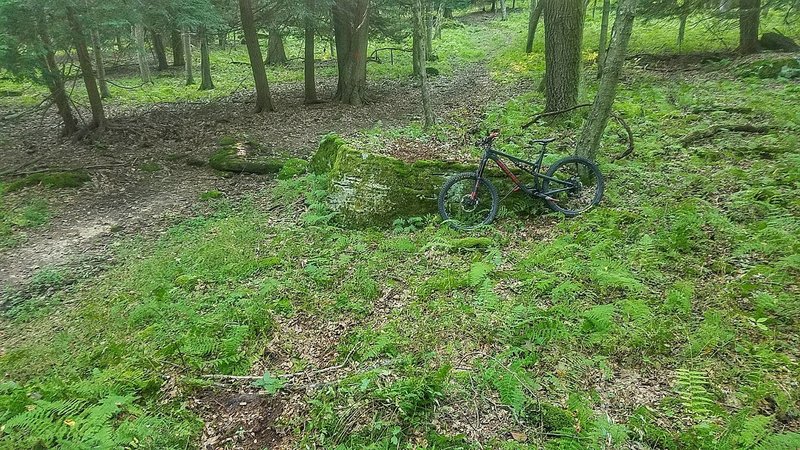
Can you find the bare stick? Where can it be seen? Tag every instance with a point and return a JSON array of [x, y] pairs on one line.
[[21, 166]]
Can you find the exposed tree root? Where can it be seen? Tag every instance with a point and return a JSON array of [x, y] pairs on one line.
[[699, 135]]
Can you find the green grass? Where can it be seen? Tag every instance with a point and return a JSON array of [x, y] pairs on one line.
[[666, 318]]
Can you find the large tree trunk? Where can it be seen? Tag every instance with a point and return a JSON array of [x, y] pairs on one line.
[[592, 132], [205, 62], [158, 48], [563, 37], [55, 82], [141, 55], [263, 99], [351, 27], [748, 26], [187, 55], [533, 23], [309, 69], [177, 48], [85, 62], [98, 63], [276, 52], [420, 30], [601, 47], [503, 10]]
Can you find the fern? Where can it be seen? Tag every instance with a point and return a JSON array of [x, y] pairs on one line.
[[478, 272], [785, 441], [691, 388]]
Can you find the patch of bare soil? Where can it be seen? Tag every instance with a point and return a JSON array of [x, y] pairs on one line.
[[242, 419], [153, 158]]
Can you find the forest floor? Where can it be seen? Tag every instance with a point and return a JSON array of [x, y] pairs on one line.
[[203, 311]]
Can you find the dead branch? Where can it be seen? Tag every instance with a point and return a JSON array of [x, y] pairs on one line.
[[699, 135], [302, 374], [14, 170], [66, 169], [730, 109]]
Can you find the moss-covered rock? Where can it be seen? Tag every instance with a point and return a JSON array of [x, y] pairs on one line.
[[247, 157], [369, 190], [52, 180], [293, 167], [550, 417]]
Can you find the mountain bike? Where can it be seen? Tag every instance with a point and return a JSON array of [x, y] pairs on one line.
[[571, 186]]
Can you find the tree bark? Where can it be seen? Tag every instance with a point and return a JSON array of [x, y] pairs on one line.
[[748, 26], [99, 66], [177, 48], [158, 48], [533, 23], [682, 29], [420, 29], [503, 10], [141, 55], [205, 62], [276, 52], [601, 48], [563, 37], [592, 132], [448, 13], [308, 60], [351, 28], [85, 62], [428, 16], [263, 98], [55, 82], [187, 55]]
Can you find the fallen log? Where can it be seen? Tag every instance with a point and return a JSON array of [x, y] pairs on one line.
[[699, 135]]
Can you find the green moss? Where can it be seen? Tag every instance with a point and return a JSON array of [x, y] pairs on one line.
[[770, 68], [323, 159], [150, 167], [210, 195], [52, 180], [551, 418], [471, 242], [245, 157], [293, 167]]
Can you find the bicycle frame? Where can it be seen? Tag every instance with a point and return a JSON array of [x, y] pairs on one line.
[[532, 168]]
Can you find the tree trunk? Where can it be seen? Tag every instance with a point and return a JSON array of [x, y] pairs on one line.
[[351, 27], [748, 26], [276, 52], [177, 48], [417, 49], [141, 55], [682, 29], [85, 62], [503, 10], [99, 66], [420, 30], [563, 36], [55, 82], [187, 55], [158, 48], [592, 132], [437, 27], [205, 62], [448, 13], [263, 98], [308, 60], [533, 23], [222, 39], [601, 48], [428, 16]]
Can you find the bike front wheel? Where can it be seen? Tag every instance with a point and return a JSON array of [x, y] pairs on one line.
[[573, 185], [467, 202]]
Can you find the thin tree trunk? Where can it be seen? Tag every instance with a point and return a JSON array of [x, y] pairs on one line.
[[141, 55], [563, 36], [437, 28], [309, 69], [351, 27], [533, 23], [503, 10], [263, 98], [601, 48], [420, 29], [158, 47], [55, 82], [682, 29], [177, 48], [429, 56], [99, 66], [592, 132], [748, 26], [417, 48], [187, 55], [276, 52], [448, 13], [205, 62], [85, 62]]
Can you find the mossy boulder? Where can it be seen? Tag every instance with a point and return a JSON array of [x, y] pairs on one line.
[[370, 190], [293, 167], [247, 157]]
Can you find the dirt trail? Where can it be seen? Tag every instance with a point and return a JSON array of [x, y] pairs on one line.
[[128, 200]]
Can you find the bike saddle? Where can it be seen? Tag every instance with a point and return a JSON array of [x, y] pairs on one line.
[[542, 141]]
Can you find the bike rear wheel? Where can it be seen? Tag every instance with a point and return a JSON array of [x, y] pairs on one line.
[[461, 209], [577, 186]]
